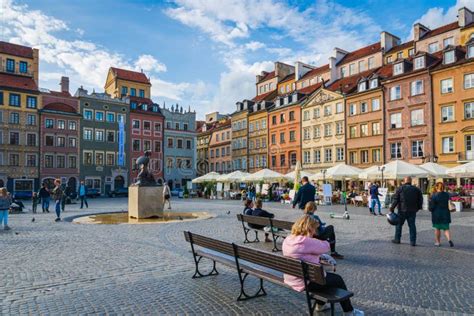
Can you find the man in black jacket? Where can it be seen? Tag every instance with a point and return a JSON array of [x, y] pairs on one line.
[[409, 200], [305, 194]]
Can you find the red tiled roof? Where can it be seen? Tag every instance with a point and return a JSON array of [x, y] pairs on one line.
[[348, 84], [268, 76], [16, 50], [361, 52], [199, 125], [315, 71], [58, 106], [17, 82], [60, 94], [266, 96], [141, 100], [311, 89], [441, 30], [400, 47], [287, 78], [130, 75], [385, 71]]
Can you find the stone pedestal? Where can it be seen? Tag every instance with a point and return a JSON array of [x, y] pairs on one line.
[[145, 202]]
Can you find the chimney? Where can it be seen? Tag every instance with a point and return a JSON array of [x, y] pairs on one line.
[[387, 41], [419, 30], [64, 84], [301, 69], [282, 70], [465, 17], [262, 74]]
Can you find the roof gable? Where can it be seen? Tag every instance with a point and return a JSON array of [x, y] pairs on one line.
[[360, 53]]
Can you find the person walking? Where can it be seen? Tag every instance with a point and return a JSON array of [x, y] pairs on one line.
[[440, 214], [57, 197], [45, 197], [34, 202], [305, 194], [374, 199], [409, 201], [5, 201], [166, 196], [83, 194]]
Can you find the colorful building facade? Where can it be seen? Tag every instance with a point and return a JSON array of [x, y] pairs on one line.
[[240, 135], [220, 153]]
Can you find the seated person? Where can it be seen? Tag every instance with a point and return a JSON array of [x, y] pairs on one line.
[[258, 211], [248, 207], [352, 196], [324, 232], [302, 246]]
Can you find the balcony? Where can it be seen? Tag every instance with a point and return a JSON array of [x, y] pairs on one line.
[[466, 156]]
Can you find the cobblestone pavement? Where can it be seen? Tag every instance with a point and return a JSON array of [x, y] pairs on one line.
[[66, 268]]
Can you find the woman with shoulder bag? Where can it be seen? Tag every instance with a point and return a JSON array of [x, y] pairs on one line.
[[440, 213], [166, 195]]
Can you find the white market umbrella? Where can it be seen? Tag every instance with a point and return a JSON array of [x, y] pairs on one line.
[[265, 175], [435, 170], [211, 176], [370, 173], [462, 171], [399, 169], [291, 176], [338, 172], [236, 176]]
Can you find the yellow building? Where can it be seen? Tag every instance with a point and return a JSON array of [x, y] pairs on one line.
[[19, 123], [240, 135], [401, 51], [121, 83]]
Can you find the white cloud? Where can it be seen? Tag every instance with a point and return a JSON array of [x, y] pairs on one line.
[[149, 63], [254, 45]]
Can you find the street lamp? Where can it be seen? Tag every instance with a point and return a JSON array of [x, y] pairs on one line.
[[382, 169], [324, 175]]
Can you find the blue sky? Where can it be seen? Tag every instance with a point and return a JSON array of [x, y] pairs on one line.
[[203, 53]]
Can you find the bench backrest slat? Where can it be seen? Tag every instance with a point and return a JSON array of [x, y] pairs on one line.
[[277, 223], [210, 243], [257, 220]]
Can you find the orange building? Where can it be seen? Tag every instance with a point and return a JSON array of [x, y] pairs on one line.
[[220, 155]]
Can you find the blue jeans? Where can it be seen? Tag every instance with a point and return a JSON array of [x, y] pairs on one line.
[[58, 208], [4, 217], [410, 217], [372, 205], [45, 204]]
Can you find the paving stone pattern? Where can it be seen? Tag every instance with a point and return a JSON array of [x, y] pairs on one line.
[[52, 268]]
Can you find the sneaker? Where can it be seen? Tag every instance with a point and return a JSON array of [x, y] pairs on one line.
[[6, 227], [395, 241], [57, 219], [355, 312], [322, 307], [336, 255], [451, 243], [437, 244], [412, 244]]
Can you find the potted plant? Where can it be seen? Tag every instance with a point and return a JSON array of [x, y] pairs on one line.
[[458, 202]]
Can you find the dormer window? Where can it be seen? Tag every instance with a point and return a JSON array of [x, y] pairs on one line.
[[290, 98], [419, 62], [155, 108], [398, 69], [362, 86], [374, 83], [145, 107], [133, 105], [449, 57], [286, 100], [470, 51]]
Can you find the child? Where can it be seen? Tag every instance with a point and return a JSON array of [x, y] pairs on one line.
[[35, 200], [5, 201], [324, 232]]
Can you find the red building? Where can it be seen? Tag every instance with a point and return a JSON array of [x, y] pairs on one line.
[[59, 134], [146, 133]]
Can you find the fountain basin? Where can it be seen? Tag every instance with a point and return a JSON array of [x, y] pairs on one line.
[[123, 218]]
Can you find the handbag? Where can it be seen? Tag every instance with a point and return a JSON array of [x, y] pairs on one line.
[[451, 206], [167, 196]]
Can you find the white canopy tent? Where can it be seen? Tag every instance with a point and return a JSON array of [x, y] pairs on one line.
[[394, 170], [211, 176], [338, 172], [435, 170], [462, 171], [233, 177], [291, 176], [371, 173], [265, 175]]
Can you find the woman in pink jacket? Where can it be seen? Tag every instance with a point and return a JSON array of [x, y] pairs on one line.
[[302, 246]]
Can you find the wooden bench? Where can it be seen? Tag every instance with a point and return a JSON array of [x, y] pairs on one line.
[[264, 266], [279, 229]]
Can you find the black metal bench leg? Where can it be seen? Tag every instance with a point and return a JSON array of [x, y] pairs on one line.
[[246, 232], [243, 295], [256, 237], [275, 239], [198, 274], [332, 309]]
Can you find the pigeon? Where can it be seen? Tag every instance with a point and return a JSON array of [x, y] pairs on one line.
[[16, 233], [228, 212], [33, 220], [180, 218]]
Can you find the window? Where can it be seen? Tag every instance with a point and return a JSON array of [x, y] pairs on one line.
[[274, 120], [273, 139], [109, 159], [448, 145], [14, 118], [433, 47], [292, 136], [374, 83], [48, 161], [88, 115], [352, 69], [188, 144], [447, 85], [417, 149], [416, 87], [61, 124], [352, 157], [397, 69], [60, 162], [306, 133], [362, 86], [447, 113], [411, 52], [14, 138], [292, 117], [124, 91], [87, 133], [371, 62], [282, 118], [449, 57], [339, 128], [343, 72], [317, 156], [395, 150], [99, 116], [361, 66], [316, 113], [179, 143], [147, 125], [448, 41], [176, 125], [49, 140], [72, 162], [352, 132], [364, 156], [469, 143], [376, 128], [99, 159], [469, 110], [327, 130], [339, 107], [339, 154], [1, 97], [328, 155], [133, 105], [31, 119], [376, 155], [88, 158], [389, 59], [375, 104], [395, 93], [146, 145], [293, 159], [110, 117], [327, 110], [61, 141], [111, 136], [363, 107], [31, 139], [470, 51], [399, 55], [31, 102], [15, 100], [136, 124], [352, 109], [133, 92], [136, 144], [364, 130], [316, 132], [14, 160], [72, 142], [306, 115], [157, 146], [417, 117], [49, 123], [468, 81], [10, 65], [419, 62], [282, 137], [157, 127], [396, 120]]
